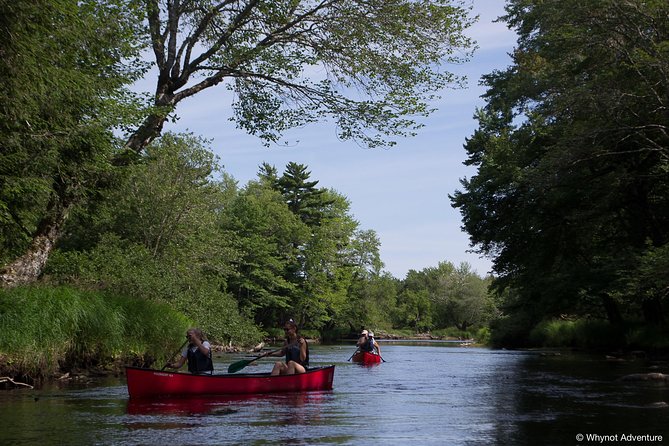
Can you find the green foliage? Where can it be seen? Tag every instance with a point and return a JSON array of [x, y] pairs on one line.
[[647, 337], [413, 310], [511, 330], [65, 66], [483, 336], [581, 333], [265, 234], [157, 235], [45, 329], [571, 188], [371, 303], [451, 297], [380, 63], [301, 195]]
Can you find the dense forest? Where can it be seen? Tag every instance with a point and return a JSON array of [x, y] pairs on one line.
[[571, 195], [101, 212]]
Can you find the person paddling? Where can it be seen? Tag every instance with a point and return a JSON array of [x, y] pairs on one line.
[[373, 344], [296, 350], [367, 343], [197, 353]]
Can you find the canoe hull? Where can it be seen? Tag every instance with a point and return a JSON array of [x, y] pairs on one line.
[[149, 383], [366, 358]]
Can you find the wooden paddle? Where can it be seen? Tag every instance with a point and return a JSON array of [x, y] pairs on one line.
[[237, 366], [357, 350], [180, 348]]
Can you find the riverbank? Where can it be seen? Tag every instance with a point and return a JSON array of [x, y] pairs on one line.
[[53, 331]]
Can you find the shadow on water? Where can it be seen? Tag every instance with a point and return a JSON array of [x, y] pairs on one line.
[[553, 398]]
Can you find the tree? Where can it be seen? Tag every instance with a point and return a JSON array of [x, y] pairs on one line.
[[156, 234], [462, 299], [457, 297], [324, 272], [413, 309], [301, 195], [65, 67], [379, 59], [372, 302], [371, 66], [265, 233], [571, 150]]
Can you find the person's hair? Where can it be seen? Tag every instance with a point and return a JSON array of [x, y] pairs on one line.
[[292, 324], [199, 333]]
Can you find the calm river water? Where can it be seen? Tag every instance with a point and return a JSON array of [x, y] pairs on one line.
[[431, 394]]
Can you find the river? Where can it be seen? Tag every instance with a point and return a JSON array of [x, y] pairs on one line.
[[428, 393]]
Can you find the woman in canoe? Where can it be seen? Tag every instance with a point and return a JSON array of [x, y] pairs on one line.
[[296, 350], [197, 353]]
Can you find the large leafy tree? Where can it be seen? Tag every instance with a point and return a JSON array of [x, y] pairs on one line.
[[572, 157], [64, 65], [157, 235], [265, 233], [371, 66]]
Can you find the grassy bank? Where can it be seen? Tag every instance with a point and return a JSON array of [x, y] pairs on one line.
[[48, 331], [585, 334]]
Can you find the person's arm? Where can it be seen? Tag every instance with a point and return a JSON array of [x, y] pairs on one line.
[[200, 345], [378, 348], [178, 364], [361, 341], [303, 350], [281, 352]]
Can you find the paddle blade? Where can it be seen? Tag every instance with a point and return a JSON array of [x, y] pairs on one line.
[[237, 366]]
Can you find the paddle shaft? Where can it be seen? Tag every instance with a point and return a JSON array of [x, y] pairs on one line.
[[237, 366], [180, 348], [264, 354]]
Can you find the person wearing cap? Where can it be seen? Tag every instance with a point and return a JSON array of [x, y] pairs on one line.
[[362, 340], [367, 343], [296, 350], [373, 343]]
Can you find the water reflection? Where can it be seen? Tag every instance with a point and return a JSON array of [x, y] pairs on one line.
[[555, 398], [431, 395], [281, 403], [179, 406]]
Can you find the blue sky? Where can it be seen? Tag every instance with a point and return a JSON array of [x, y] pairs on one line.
[[401, 192]]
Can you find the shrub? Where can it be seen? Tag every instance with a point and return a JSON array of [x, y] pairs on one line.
[[46, 329], [580, 333]]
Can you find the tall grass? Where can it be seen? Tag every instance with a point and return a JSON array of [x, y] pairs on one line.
[[581, 333], [47, 330]]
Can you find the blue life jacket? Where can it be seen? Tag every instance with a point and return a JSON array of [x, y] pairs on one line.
[[293, 354], [198, 362]]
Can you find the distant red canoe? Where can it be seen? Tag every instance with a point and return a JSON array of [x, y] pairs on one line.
[[148, 383], [366, 358]]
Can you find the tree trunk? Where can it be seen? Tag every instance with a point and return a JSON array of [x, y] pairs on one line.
[[27, 268], [652, 311], [612, 310], [147, 132]]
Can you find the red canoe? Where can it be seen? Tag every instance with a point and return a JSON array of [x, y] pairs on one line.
[[148, 383], [366, 358]]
